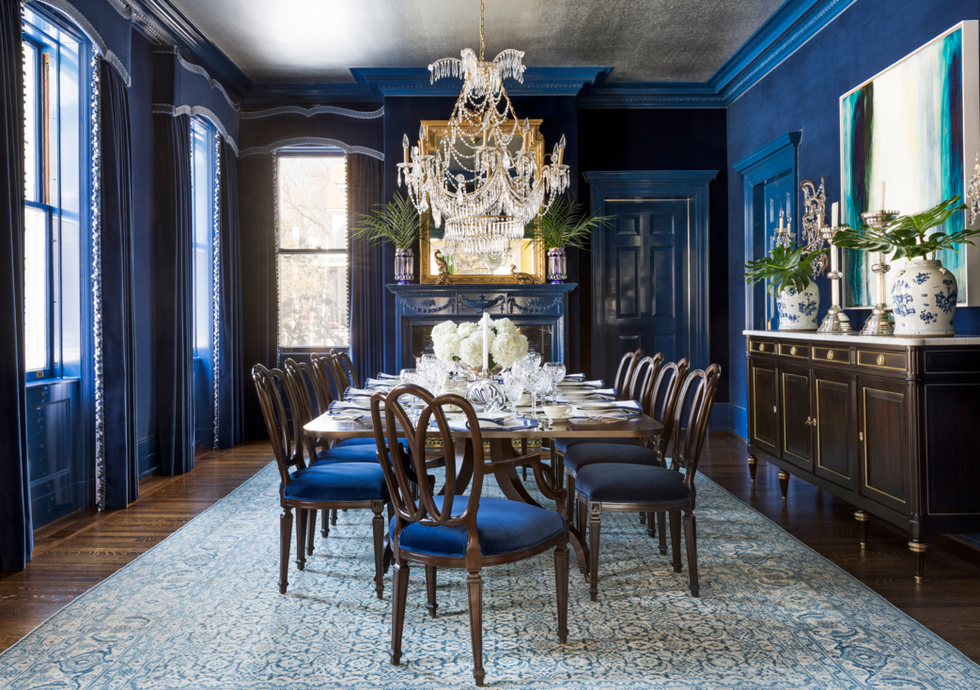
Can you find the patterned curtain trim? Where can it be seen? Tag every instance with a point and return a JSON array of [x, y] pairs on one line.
[[319, 141], [96, 211], [192, 110], [216, 286], [86, 26], [310, 112], [275, 223]]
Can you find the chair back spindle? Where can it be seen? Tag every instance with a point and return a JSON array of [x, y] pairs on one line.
[[662, 399], [643, 376], [268, 383], [697, 397], [624, 371]]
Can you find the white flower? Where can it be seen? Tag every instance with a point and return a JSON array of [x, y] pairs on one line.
[[446, 347], [505, 326], [443, 329], [508, 347], [467, 329], [471, 350]]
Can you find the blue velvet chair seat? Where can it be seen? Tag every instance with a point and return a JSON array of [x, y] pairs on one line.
[[563, 444], [367, 442], [584, 454], [504, 527], [342, 481], [359, 453], [622, 483]]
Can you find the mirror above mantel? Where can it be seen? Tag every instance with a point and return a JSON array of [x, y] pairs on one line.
[[524, 256]]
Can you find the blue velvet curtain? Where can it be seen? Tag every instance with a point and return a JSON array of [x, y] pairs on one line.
[[16, 535], [118, 344], [231, 357], [175, 291], [364, 184]]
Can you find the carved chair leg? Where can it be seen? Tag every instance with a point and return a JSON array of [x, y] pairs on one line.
[[557, 465], [301, 522], [324, 523], [561, 588], [675, 538], [595, 510], [651, 520], [643, 518], [378, 525], [430, 590], [783, 483], [399, 592], [753, 467], [918, 549], [662, 531], [285, 540], [474, 588], [570, 511], [310, 532], [333, 518], [690, 541], [864, 520]]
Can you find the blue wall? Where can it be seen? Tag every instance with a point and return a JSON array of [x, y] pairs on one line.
[[802, 95]]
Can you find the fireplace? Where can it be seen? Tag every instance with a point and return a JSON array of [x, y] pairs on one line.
[[538, 310]]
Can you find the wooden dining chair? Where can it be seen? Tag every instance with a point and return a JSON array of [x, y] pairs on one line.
[[624, 373], [324, 486], [459, 531], [652, 488], [661, 398], [642, 377]]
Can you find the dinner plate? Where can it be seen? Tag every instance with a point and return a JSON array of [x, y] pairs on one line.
[[597, 405], [578, 395]]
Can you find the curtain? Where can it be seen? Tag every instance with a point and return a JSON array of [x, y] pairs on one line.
[[259, 306], [16, 534], [175, 291], [118, 344], [231, 364], [367, 290]]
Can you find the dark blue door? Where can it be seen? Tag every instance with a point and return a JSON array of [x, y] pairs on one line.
[[644, 279]]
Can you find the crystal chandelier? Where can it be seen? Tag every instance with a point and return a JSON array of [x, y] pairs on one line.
[[484, 189]]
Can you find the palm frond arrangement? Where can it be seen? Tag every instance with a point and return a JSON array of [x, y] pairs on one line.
[[565, 225], [397, 222], [784, 267]]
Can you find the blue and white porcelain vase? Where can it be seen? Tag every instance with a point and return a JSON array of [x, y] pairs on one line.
[[924, 299], [798, 310]]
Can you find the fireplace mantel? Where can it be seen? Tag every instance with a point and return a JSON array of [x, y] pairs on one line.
[[541, 308]]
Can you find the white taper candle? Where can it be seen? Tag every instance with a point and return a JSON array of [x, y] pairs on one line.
[[486, 340]]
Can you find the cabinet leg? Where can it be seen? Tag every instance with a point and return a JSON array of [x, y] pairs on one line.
[[753, 466], [918, 549], [863, 518], [784, 483]]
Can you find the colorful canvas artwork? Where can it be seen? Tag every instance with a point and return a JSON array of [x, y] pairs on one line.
[[908, 138]]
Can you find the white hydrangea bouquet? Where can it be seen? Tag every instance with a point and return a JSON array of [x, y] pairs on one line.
[[464, 343]]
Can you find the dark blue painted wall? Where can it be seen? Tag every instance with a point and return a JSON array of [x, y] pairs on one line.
[[141, 123], [802, 94], [667, 139]]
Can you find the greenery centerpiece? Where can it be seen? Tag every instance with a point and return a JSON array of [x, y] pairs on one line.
[[924, 293], [789, 270], [397, 222], [563, 225]]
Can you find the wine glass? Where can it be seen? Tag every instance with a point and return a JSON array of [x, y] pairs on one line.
[[514, 387], [556, 370], [538, 383], [532, 359], [410, 376]]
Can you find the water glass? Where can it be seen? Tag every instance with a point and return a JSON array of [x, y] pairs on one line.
[[557, 372]]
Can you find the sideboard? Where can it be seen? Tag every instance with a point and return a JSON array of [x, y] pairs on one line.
[[884, 423]]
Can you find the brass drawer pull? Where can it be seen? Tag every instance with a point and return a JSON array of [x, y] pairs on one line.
[[762, 347], [880, 361], [830, 354], [792, 350]]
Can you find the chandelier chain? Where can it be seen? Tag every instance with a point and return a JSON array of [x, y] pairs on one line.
[[481, 31]]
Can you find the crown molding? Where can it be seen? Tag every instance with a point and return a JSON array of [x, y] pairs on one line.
[[650, 95], [538, 81]]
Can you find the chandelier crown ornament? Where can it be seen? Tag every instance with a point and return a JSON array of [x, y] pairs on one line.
[[476, 181]]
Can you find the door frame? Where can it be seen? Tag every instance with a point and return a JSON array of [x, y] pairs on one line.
[[693, 185]]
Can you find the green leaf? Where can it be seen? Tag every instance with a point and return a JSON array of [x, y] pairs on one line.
[[565, 225], [397, 222]]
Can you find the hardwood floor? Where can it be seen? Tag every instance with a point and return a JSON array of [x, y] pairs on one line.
[[75, 553]]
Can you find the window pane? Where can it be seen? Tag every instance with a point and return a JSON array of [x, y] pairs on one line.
[[312, 202], [202, 181], [35, 288], [30, 121], [313, 300]]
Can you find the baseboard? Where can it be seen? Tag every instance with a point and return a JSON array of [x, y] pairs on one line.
[[727, 417], [148, 455]]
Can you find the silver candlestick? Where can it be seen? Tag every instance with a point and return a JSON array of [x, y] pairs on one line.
[[836, 322], [879, 323]]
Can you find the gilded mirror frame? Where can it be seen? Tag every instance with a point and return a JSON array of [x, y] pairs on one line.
[[434, 130]]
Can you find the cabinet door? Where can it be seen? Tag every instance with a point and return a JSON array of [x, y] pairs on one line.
[[763, 427], [796, 418], [883, 442], [835, 431]]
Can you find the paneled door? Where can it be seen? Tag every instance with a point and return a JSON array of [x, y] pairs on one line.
[[644, 256]]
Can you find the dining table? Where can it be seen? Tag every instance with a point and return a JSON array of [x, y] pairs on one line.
[[331, 427]]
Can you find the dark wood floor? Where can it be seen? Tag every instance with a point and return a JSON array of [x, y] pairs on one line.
[[81, 550]]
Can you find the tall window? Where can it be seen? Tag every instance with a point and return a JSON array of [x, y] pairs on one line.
[[313, 250], [203, 181], [52, 189]]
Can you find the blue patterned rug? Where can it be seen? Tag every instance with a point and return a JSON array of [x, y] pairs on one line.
[[202, 610]]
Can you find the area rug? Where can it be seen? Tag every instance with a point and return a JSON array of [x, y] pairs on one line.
[[202, 610]]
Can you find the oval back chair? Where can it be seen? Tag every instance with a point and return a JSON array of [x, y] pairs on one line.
[[457, 531], [642, 377], [624, 371]]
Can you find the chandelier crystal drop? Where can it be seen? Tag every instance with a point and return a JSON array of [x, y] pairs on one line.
[[484, 189]]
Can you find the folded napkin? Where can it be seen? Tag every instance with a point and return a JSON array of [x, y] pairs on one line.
[[389, 377], [460, 423], [358, 393], [575, 377], [383, 383], [341, 406], [605, 391]]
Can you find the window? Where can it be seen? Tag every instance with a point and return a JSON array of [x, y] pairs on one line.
[[313, 251], [52, 193], [203, 180]]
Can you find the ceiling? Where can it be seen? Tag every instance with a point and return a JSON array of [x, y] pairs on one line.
[[318, 41]]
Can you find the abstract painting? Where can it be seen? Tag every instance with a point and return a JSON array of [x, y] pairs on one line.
[[908, 135]]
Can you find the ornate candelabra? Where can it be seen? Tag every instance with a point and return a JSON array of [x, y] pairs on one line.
[[815, 206], [879, 323], [836, 322], [815, 234]]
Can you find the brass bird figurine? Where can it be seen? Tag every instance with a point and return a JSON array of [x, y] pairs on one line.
[[443, 278], [522, 278]]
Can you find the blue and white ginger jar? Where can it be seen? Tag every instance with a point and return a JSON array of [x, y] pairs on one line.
[[924, 299], [798, 310]]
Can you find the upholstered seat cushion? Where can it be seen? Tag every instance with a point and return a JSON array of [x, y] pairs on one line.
[[358, 453], [504, 527], [367, 442], [342, 481], [584, 454], [622, 483], [563, 444]]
